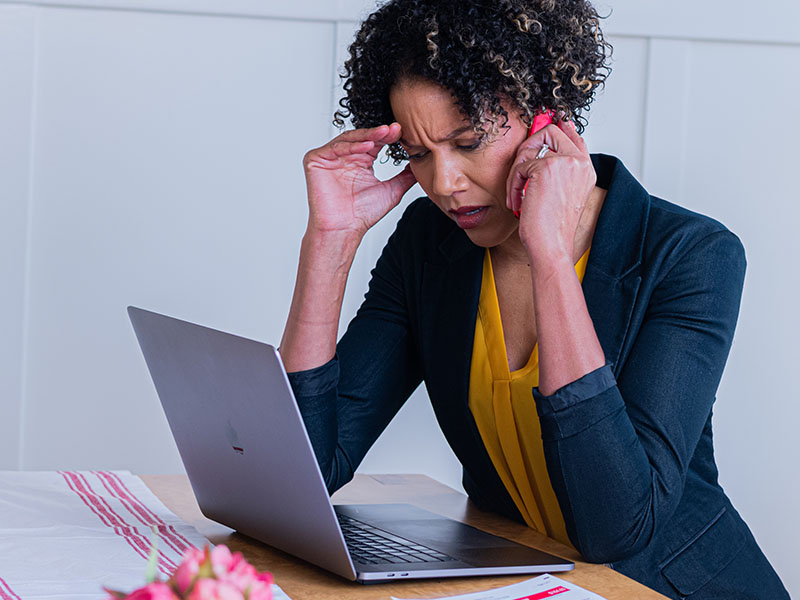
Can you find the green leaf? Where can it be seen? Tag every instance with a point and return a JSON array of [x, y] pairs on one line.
[[151, 574], [206, 568]]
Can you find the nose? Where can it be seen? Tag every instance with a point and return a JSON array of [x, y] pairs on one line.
[[448, 176]]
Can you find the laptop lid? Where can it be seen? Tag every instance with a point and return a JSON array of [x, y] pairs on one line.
[[252, 467], [223, 396]]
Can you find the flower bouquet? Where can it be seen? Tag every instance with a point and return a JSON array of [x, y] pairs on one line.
[[204, 575]]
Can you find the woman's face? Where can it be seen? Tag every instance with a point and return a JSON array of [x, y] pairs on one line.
[[464, 177]]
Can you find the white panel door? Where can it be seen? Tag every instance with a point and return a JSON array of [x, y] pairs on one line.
[[168, 175], [740, 165]]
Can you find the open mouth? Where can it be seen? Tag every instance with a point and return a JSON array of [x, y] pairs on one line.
[[468, 217], [467, 210]]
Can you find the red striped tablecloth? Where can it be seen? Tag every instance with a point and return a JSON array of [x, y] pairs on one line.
[[64, 535]]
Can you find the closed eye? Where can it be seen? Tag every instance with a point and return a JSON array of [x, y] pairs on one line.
[[474, 146], [463, 147]]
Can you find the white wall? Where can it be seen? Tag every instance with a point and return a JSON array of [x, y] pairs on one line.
[[150, 154]]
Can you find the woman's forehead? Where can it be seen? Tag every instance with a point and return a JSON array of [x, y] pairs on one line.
[[426, 105], [428, 110]]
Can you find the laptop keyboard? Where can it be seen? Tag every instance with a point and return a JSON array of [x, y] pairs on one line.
[[371, 545]]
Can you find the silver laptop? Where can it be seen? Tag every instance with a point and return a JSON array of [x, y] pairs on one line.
[[252, 467]]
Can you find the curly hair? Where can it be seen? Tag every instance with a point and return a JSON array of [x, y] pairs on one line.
[[533, 54]]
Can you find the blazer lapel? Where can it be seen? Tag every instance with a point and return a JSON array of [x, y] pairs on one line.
[[450, 291], [612, 277]]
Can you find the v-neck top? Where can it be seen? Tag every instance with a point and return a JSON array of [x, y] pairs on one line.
[[503, 407]]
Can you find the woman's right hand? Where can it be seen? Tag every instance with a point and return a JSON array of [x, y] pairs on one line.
[[344, 196]]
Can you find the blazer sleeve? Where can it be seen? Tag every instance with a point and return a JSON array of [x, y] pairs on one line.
[[347, 402], [618, 449]]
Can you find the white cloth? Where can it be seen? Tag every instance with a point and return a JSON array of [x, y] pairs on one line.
[[64, 535]]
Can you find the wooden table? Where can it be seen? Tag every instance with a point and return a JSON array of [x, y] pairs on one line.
[[301, 580]]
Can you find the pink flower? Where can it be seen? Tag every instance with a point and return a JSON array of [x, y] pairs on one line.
[[261, 588], [207, 575], [221, 556], [211, 589], [153, 591], [233, 568], [187, 571]]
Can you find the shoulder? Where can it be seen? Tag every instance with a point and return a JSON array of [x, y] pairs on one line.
[[676, 235], [639, 231], [670, 220]]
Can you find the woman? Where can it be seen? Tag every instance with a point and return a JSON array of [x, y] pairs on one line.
[[571, 354]]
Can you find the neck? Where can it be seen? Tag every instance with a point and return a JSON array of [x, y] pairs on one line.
[[511, 251], [586, 226]]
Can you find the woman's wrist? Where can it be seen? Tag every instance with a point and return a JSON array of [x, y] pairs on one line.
[[568, 345], [546, 264], [309, 339], [330, 250]]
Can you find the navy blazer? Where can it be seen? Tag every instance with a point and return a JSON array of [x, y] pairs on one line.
[[628, 446]]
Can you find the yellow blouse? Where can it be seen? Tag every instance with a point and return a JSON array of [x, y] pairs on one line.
[[503, 407]]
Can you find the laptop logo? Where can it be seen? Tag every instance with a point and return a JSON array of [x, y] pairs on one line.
[[233, 438]]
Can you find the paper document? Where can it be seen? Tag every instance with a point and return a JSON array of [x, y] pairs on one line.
[[538, 588]]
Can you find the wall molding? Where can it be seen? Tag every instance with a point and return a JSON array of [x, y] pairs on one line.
[[17, 68], [711, 20], [309, 10]]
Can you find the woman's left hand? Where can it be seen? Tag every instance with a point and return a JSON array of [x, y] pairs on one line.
[[559, 186]]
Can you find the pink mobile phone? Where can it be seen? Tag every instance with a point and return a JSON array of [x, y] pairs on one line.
[[543, 119]]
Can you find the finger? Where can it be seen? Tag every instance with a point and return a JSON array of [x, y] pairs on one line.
[[402, 182], [343, 148], [364, 134], [553, 136], [360, 141], [515, 187], [569, 129], [392, 135]]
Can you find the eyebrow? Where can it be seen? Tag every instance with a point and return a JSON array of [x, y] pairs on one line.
[[447, 138]]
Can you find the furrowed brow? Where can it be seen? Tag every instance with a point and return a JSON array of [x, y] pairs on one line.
[[447, 138], [457, 133]]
